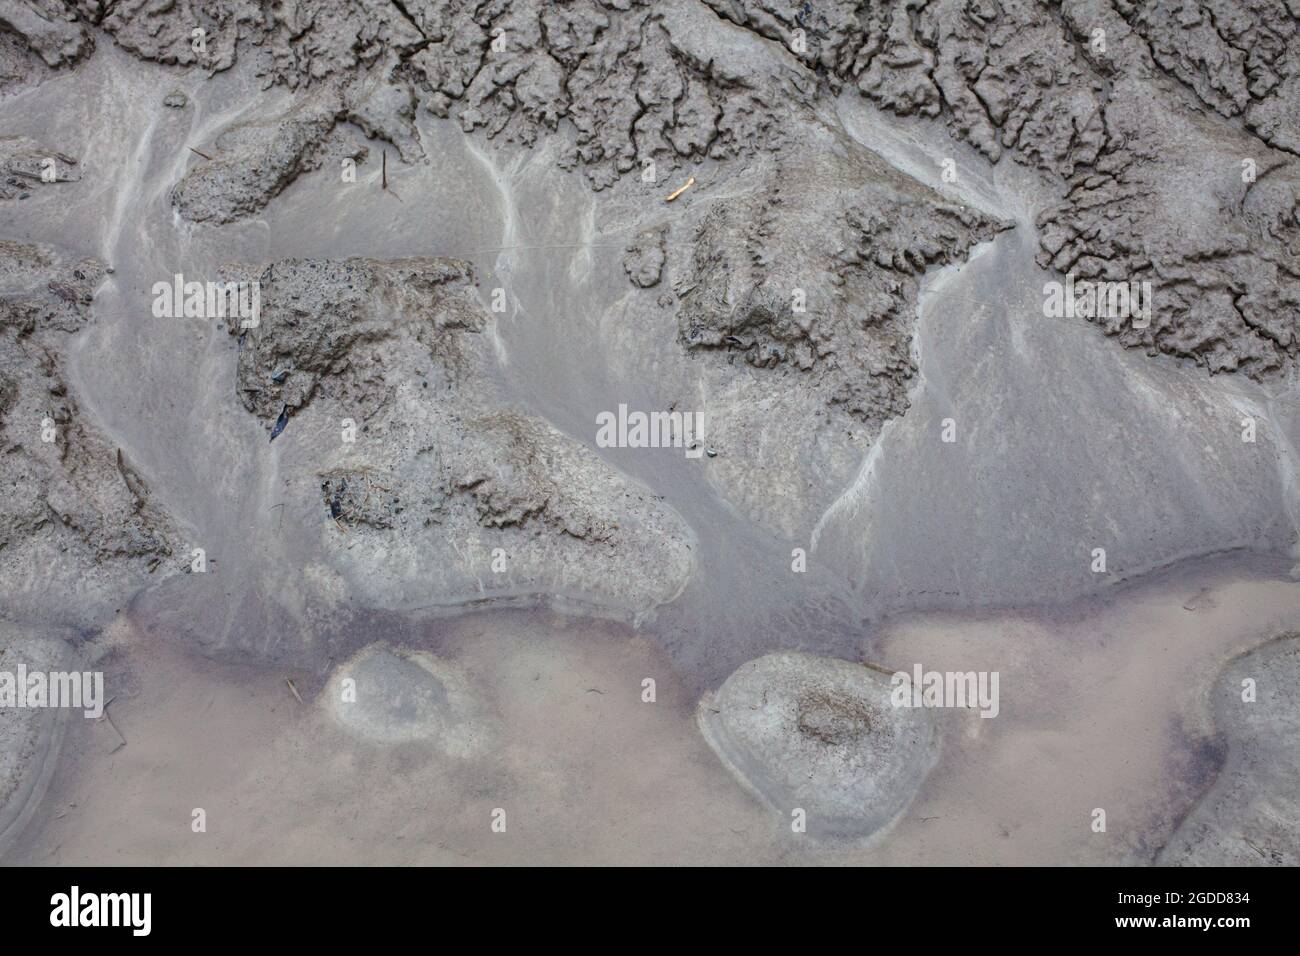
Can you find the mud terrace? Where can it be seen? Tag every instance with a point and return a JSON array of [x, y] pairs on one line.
[[819, 738], [347, 542]]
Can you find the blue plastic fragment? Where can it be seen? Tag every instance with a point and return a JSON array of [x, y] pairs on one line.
[[280, 423]]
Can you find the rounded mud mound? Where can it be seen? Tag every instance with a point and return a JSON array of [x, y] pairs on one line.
[[28, 735], [820, 735], [1251, 814], [389, 695]]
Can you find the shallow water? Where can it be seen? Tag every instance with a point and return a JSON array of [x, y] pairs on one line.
[[1102, 705]]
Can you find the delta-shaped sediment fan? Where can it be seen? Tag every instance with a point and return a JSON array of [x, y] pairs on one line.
[[795, 285], [815, 272], [444, 493]]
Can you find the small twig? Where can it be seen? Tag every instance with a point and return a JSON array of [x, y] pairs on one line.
[[384, 172], [200, 153], [293, 690], [876, 667], [1251, 844], [677, 192], [121, 736]]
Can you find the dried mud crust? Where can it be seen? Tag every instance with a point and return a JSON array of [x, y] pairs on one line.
[[821, 735], [73, 506], [635, 87], [26, 165], [253, 162], [1140, 113], [815, 271], [38, 38], [1241, 57], [442, 471], [1109, 101], [794, 286], [637, 81], [1250, 816]]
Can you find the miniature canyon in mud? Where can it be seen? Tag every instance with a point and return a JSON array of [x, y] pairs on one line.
[[628, 432]]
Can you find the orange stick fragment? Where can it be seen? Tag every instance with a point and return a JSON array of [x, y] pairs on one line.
[[689, 183]]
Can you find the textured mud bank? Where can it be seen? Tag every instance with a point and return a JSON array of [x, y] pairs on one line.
[[300, 520]]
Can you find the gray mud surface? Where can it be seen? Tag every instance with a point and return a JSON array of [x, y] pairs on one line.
[[360, 536]]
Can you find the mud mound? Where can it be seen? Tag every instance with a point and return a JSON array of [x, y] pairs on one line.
[[1251, 815], [73, 507], [389, 696], [796, 284], [27, 735], [165, 32], [815, 271], [26, 165], [318, 316], [38, 37], [819, 734], [431, 489], [254, 162]]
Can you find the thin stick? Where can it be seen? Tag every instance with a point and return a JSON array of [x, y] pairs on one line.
[[385, 171], [689, 183], [296, 695], [119, 733], [204, 155], [876, 667]]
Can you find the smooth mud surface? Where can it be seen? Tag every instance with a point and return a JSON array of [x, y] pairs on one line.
[[367, 582]]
